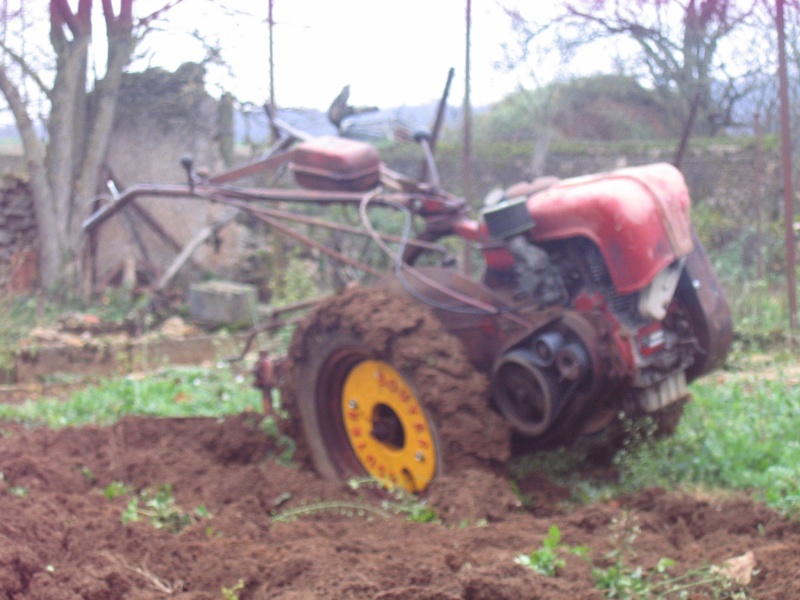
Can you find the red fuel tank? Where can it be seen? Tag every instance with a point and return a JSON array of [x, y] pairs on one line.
[[334, 164]]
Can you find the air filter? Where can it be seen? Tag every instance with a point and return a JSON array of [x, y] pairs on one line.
[[508, 218]]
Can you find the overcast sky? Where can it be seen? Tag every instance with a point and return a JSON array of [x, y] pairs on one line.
[[391, 52]]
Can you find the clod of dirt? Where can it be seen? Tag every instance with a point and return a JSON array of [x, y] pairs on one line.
[[472, 496]]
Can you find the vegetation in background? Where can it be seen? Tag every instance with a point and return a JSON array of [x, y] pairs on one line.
[[17, 318], [19, 313], [678, 49], [173, 392], [598, 108], [758, 301]]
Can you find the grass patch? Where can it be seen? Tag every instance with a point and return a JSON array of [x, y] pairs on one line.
[[740, 433], [173, 392]]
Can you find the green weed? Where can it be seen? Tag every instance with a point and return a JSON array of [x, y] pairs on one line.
[[159, 506], [115, 489], [616, 578], [400, 502], [18, 491], [286, 445], [548, 558], [173, 392], [88, 475], [232, 593], [15, 490]]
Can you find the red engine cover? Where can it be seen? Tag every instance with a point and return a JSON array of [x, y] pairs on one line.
[[638, 217]]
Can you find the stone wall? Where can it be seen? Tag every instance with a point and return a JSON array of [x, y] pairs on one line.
[[161, 117], [17, 235]]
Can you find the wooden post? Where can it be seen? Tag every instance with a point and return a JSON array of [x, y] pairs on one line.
[[786, 151], [466, 159], [758, 197]]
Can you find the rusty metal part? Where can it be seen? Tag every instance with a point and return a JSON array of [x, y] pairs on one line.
[[600, 390], [133, 231], [268, 373], [331, 163], [186, 253], [312, 243], [422, 245], [146, 216], [438, 121], [435, 283], [277, 156], [701, 293], [275, 321], [469, 310], [245, 198], [439, 205]]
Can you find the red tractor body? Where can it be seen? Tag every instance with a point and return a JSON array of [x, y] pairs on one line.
[[596, 304]]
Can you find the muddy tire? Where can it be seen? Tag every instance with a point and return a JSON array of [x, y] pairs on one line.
[[414, 387]]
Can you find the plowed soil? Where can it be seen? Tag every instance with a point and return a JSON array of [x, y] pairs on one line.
[[62, 537]]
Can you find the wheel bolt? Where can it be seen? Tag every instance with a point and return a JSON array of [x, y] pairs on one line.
[[352, 404], [419, 456]]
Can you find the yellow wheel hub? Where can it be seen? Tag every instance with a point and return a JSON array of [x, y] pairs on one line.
[[387, 427]]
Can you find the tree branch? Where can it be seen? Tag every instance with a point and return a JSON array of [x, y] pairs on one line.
[[145, 21], [120, 49], [34, 153], [30, 141], [26, 68], [61, 14]]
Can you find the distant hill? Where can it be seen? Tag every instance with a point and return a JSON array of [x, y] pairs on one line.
[[253, 127], [601, 108]]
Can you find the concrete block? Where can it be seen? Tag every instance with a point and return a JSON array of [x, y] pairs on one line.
[[222, 302]]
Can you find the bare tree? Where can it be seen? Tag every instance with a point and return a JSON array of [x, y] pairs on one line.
[[65, 165], [676, 45]]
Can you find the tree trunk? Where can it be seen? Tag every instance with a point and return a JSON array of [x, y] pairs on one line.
[[65, 174], [34, 150], [104, 103], [59, 269]]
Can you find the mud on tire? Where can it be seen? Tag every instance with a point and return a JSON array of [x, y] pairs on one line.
[[381, 324]]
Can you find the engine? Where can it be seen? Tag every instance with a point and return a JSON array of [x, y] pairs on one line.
[[623, 340]]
